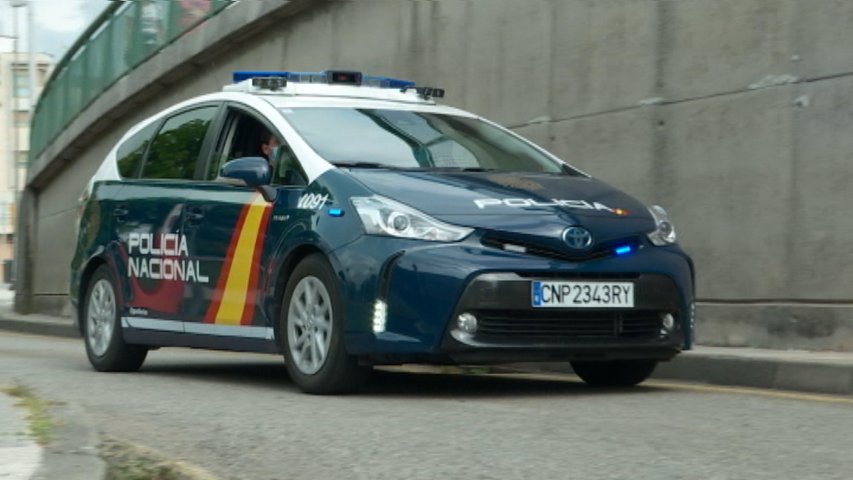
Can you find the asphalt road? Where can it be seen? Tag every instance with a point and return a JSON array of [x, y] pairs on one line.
[[238, 416]]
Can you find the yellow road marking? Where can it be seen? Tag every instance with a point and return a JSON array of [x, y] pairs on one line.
[[783, 394], [568, 378]]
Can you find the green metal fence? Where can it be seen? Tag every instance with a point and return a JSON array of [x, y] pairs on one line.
[[120, 39]]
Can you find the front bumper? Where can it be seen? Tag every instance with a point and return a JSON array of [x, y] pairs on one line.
[[508, 326], [426, 287]]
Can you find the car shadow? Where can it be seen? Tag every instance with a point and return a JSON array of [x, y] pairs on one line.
[[401, 382], [249, 373], [464, 384]]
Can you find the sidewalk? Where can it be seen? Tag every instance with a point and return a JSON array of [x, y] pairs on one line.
[[805, 371], [71, 448], [72, 452], [20, 456]]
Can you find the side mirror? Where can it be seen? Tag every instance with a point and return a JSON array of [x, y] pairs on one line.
[[253, 171]]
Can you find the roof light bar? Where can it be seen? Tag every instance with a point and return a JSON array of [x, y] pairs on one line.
[[387, 82], [330, 77], [265, 80], [326, 76], [269, 83], [345, 78], [247, 75]]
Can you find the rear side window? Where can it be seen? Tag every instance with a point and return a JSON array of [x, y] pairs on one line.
[[175, 150], [129, 156]]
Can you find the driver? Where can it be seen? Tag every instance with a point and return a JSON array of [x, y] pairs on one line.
[[269, 145]]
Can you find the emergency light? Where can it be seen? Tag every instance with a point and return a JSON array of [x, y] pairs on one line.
[[243, 76], [277, 80]]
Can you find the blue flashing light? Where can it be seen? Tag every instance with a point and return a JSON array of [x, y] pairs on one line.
[[308, 77], [624, 250], [246, 75], [387, 82], [335, 212]]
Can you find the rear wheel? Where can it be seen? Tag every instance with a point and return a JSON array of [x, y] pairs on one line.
[[311, 331], [105, 346], [620, 373]]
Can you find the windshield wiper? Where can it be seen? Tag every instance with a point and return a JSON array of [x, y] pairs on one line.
[[462, 169], [423, 169], [361, 165]]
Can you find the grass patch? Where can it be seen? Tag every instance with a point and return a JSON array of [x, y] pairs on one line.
[[40, 423], [126, 461]]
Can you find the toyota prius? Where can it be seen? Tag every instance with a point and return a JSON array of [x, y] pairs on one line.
[[346, 221]]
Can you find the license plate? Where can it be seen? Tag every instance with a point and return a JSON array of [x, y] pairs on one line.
[[582, 294]]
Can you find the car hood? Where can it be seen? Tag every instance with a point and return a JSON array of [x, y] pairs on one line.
[[536, 204]]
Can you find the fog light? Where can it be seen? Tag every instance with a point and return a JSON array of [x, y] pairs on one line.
[[668, 321], [380, 314], [467, 323]]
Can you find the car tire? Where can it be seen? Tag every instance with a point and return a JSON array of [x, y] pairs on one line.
[[311, 331], [105, 345], [620, 373]]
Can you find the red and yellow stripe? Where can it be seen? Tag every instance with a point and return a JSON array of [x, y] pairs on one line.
[[236, 296]]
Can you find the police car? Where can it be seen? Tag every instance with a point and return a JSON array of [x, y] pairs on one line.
[[345, 221]]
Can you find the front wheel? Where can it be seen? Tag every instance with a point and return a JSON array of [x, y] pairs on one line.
[[621, 373], [105, 346], [311, 331]]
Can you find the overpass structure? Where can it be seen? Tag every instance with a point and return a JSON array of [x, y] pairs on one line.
[[733, 114]]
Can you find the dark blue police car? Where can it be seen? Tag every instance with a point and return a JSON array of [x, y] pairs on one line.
[[347, 221]]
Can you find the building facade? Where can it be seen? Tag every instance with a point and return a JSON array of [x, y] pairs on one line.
[[15, 113]]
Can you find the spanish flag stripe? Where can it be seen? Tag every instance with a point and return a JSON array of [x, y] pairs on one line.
[[239, 274], [210, 316], [251, 301]]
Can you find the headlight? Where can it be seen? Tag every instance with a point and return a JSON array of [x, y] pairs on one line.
[[383, 216], [664, 233]]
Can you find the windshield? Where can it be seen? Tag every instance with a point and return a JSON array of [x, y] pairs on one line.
[[415, 140]]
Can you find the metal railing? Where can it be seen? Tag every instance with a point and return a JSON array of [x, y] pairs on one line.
[[126, 34]]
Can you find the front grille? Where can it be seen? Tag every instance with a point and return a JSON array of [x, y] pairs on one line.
[[562, 325], [569, 275], [602, 250]]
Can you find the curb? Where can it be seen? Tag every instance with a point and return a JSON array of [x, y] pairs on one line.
[[801, 375], [40, 326], [799, 371]]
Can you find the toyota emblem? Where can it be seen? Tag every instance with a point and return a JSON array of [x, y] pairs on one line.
[[578, 238]]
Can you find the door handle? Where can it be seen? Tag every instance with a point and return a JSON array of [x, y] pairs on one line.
[[120, 212], [194, 215]]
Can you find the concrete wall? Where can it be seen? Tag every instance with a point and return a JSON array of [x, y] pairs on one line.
[[733, 114]]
